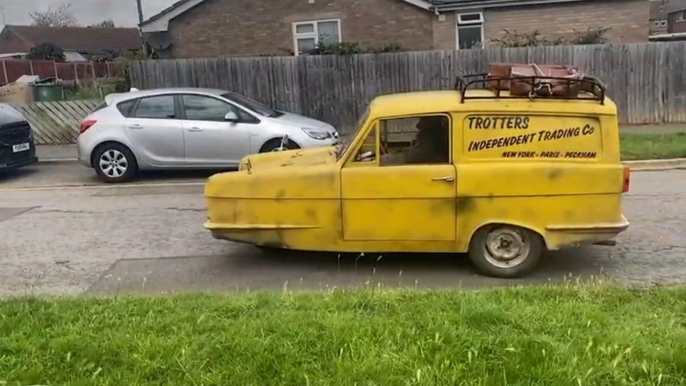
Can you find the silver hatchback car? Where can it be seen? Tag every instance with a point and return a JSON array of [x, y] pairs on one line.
[[182, 128]]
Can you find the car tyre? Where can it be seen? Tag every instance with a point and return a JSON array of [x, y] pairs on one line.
[[505, 251], [275, 145], [115, 163]]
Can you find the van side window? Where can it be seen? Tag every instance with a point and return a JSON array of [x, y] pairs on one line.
[[421, 140], [367, 152]]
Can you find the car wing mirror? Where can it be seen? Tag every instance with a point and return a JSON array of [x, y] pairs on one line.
[[231, 117]]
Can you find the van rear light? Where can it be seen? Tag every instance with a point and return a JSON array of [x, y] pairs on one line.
[[627, 179], [85, 125]]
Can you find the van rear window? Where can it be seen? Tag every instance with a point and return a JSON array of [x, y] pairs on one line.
[[532, 136]]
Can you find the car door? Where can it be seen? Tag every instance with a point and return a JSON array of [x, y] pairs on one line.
[[398, 196], [155, 131], [211, 138]]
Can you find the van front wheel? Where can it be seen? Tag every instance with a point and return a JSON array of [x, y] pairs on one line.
[[505, 251]]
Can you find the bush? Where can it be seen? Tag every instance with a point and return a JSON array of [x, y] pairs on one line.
[[352, 48], [536, 39]]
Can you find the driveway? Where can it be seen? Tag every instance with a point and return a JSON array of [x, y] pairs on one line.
[[61, 237]]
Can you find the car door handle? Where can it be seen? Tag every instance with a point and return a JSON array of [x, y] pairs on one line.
[[195, 129], [135, 127], [445, 179]]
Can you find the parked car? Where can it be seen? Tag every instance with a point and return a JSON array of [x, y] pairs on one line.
[[183, 128], [17, 146]]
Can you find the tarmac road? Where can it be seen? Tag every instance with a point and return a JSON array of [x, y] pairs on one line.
[[61, 237]]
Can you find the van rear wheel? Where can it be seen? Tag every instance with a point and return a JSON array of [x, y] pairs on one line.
[[505, 251]]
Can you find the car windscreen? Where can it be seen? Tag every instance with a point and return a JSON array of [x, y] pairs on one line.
[[252, 104]]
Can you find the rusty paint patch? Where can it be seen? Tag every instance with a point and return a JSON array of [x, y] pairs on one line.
[[555, 174], [465, 204]]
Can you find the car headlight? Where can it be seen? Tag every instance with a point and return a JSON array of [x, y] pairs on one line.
[[317, 134]]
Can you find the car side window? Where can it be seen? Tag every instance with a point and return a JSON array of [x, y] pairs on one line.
[[421, 140], [202, 108], [157, 107], [126, 107]]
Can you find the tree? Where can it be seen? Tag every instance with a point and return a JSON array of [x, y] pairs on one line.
[[109, 23], [46, 51], [59, 17]]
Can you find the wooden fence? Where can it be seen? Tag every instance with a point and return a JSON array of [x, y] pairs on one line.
[[12, 69], [56, 123], [646, 81]]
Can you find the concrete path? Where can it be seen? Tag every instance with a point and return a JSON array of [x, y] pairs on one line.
[[148, 237]]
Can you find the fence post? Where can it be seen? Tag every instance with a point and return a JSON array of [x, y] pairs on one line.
[[54, 65], [31, 67], [4, 70]]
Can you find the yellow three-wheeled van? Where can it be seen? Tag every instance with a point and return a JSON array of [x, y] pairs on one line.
[[500, 176]]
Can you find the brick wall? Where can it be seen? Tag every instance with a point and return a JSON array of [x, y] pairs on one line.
[[629, 19], [257, 27], [444, 29], [674, 25]]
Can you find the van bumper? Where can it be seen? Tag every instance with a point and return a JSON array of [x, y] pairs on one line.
[[564, 236]]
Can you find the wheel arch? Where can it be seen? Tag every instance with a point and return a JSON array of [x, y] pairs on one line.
[[533, 229], [277, 138]]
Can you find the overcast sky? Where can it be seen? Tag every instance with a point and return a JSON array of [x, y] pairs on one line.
[[123, 12]]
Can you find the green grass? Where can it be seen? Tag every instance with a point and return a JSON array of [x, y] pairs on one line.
[[570, 335], [652, 146]]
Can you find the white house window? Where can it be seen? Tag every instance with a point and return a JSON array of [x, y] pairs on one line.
[[470, 30], [308, 35], [681, 16]]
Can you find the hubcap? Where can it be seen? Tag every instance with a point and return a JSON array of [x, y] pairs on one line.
[[113, 163], [506, 247]]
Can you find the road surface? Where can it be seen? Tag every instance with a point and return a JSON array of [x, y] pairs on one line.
[[65, 233]]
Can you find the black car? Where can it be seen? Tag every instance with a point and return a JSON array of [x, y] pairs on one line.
[[16, 140]]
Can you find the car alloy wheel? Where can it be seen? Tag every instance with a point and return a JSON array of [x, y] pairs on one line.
[[113, 163]]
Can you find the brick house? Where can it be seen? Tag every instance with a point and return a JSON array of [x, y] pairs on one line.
[[78, 43], [212, 28], [667, 20]]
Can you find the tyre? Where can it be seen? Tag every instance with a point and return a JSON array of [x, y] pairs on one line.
[[275, 145], [115, 163], [505, 251]]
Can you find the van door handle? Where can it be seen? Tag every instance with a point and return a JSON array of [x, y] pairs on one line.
[[446, 179], [135, 127], [195, 129]]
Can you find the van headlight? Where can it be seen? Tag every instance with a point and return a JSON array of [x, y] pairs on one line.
[[317, 134]]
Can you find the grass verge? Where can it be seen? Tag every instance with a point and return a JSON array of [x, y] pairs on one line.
[[652, 146], [588, 335]]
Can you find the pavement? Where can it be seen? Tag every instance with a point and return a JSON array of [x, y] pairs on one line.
[[65, 233]]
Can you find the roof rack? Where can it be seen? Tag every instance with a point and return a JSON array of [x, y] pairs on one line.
[[590, 85]]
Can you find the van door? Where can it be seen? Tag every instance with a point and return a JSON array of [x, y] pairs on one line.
[[405, 189]]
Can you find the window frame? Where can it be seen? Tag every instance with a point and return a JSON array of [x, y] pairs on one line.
[[680, 17], [177, 108], [311, 35], [468, 23], [376, 125]]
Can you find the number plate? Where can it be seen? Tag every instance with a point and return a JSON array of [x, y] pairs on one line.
[[21, 147]]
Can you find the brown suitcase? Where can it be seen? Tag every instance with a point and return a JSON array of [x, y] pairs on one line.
[[568, 83], [499, 70]]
